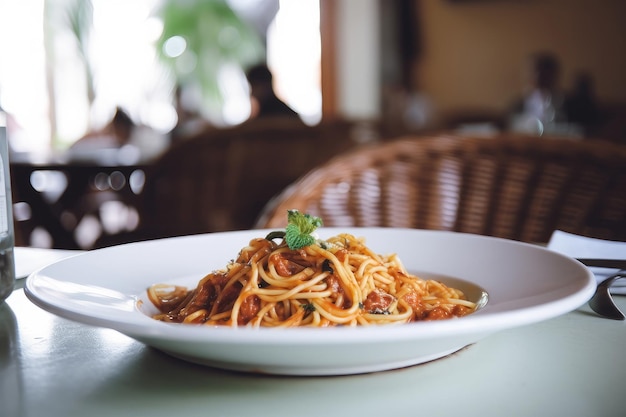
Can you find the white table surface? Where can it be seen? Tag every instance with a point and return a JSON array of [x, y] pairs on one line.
[[573, 365]]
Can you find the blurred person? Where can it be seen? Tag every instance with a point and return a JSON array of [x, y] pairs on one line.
[[123, 132], [264, 101], [115, 134], [543, 104]]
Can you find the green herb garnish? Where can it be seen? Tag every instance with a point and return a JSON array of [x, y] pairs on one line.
[[299, 231]]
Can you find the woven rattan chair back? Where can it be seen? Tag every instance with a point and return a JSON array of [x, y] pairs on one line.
[[520, 188]]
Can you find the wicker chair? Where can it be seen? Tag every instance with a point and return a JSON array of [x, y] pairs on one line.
[[520, 188]]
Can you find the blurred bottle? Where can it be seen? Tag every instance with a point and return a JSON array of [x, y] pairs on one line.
[[7, 238]]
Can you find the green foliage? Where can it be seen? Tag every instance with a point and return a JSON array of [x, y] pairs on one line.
[[215, 36]]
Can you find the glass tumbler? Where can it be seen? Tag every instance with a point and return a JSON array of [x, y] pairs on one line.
[[7, 238]]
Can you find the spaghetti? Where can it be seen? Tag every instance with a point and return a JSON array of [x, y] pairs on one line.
[[336, 282]]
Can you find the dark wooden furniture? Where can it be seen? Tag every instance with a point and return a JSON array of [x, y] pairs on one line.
[[87, 182], [221, 179]]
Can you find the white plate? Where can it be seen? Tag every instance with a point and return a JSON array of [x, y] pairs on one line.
[[107, 288]]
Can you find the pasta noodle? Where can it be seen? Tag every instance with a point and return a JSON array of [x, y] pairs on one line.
[[336, 282]]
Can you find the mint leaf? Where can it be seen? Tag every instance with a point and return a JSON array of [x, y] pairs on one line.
[[299, 229]]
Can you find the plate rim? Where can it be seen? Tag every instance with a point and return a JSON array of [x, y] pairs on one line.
[[427, 330]]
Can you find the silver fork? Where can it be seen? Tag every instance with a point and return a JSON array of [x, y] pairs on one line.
[[602, 301]]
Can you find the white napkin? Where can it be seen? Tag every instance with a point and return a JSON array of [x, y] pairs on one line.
[[28, 260], [577, 246]]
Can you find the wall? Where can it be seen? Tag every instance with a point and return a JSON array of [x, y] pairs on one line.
[[474, 52]]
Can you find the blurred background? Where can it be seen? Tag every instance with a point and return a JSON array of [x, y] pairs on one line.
[[66, 65], [71, 69]]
